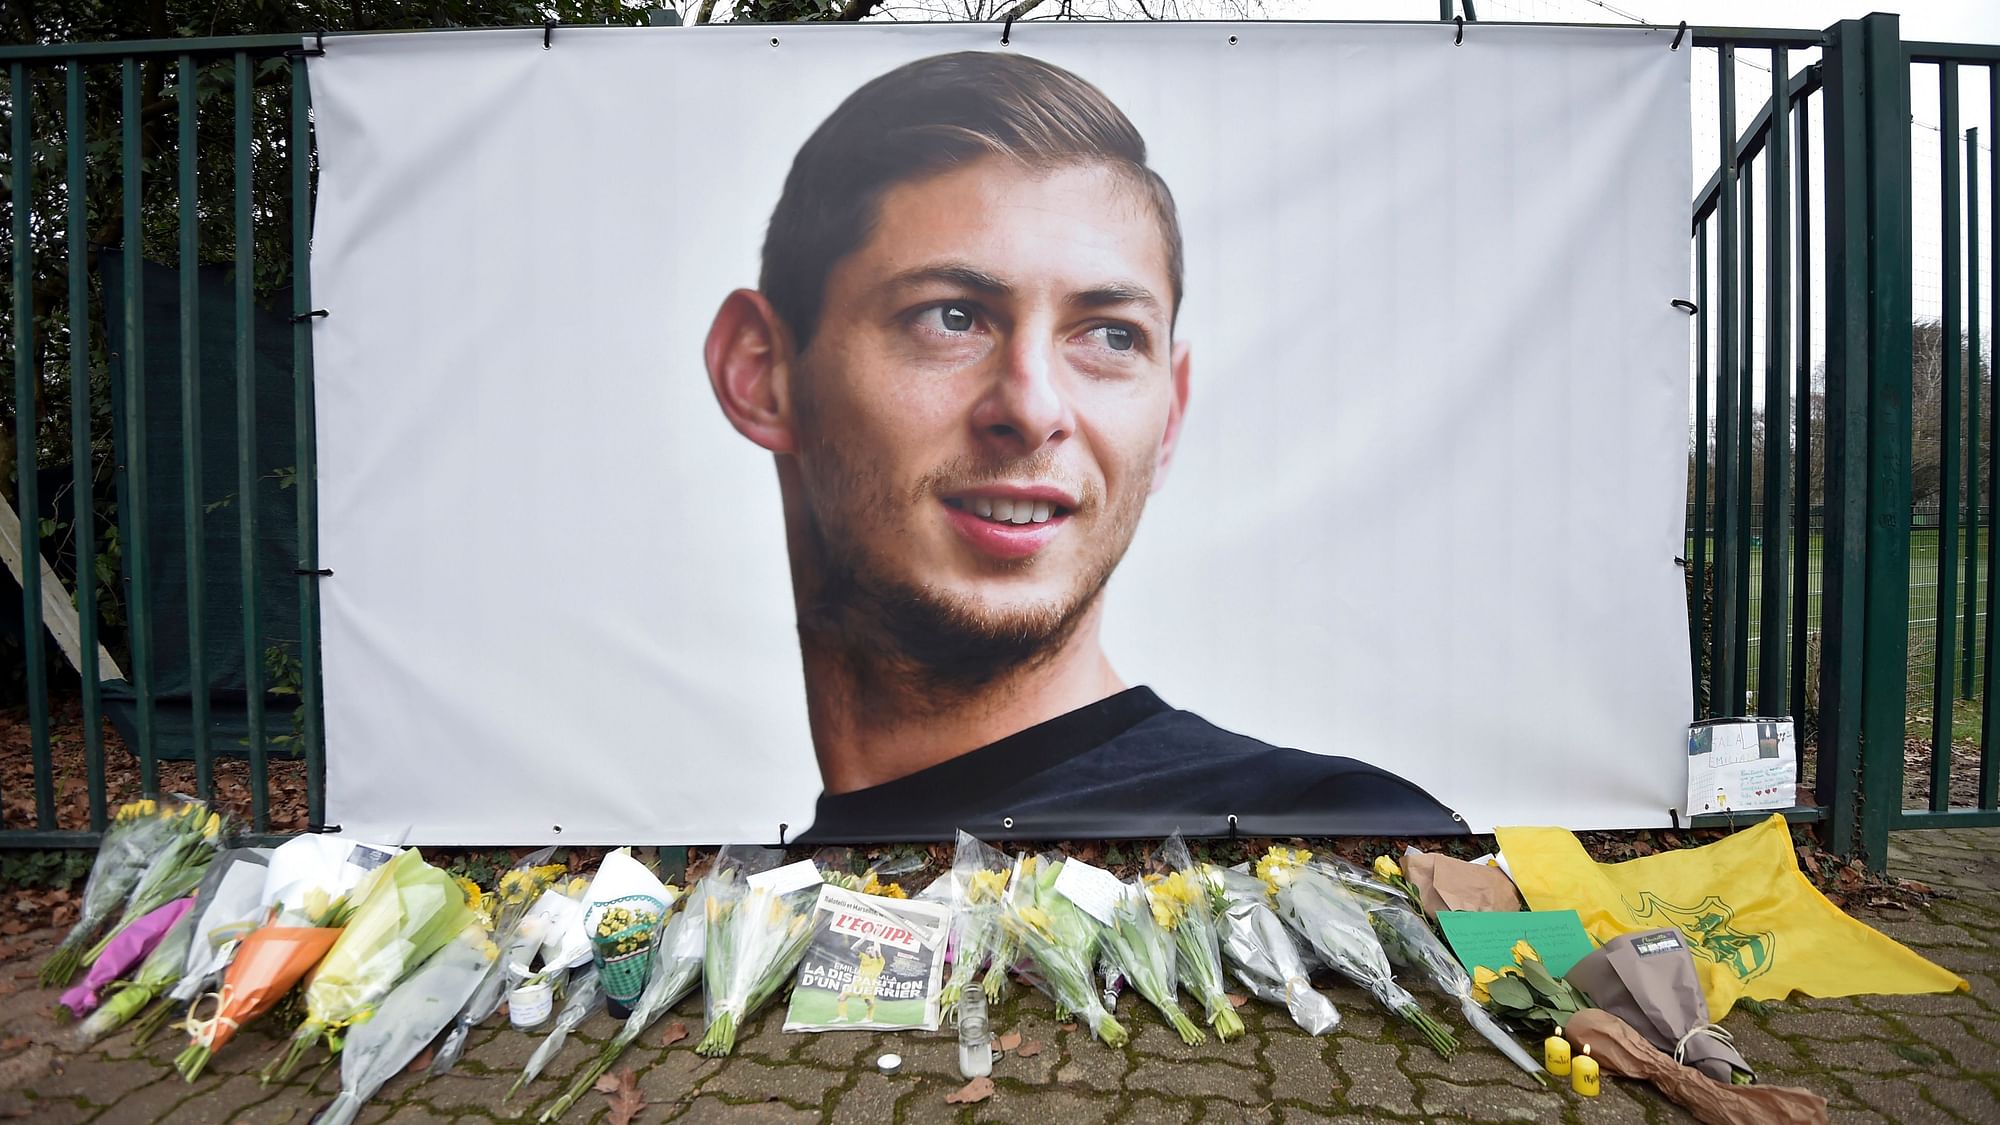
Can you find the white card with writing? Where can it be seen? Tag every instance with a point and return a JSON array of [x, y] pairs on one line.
[[1093, 889]]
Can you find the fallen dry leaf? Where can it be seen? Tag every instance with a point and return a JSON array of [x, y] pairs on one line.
[[14, 1043], [1028, 1050], [977, 1090], [675, 1032], [1235, 1001], [1008, 1041], [1066, 1027], [622, 1091]]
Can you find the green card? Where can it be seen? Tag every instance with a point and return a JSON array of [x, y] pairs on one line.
[[1487, 937]]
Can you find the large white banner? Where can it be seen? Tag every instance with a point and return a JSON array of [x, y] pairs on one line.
[[1407, 426]]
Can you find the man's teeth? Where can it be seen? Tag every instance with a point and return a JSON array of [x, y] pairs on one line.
[[1012, 511]]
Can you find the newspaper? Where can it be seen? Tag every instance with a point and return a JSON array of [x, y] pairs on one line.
[[875, 964]]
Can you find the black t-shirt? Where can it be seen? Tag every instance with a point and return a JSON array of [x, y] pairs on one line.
[[1127, 766]]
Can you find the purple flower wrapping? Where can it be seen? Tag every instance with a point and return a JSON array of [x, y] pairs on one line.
[[123, 955]]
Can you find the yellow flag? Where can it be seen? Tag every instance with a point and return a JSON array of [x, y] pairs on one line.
[[1756, 927]]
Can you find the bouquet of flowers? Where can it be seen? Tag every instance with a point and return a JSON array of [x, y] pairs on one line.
[[194, 837], [1336, 925], [582, 998], [406, 912], [1061, 940], [978, 884], [759, 925], [124, 999], [1185, 903], [676, 970], [627, 905], [410, 1016], [227, 905], [516, 890], [135, 942], [127, 850], [1265, 956], [1410, 944], [267, 964], [1526, 995], [1142, 947]]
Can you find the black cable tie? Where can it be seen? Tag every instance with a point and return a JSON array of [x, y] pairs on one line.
[[1680, 562], [305, 53], [548, 33], [327, 829], [1678, 36], [301, 318], [308, 572], [319, 40], [1686, 306], [781, 834], [1007, 32], [1459, 39]]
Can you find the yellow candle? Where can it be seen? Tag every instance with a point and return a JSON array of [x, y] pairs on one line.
[[1555, 1054], [1583, 1075]]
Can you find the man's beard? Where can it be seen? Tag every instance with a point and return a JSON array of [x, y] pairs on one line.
[[915, 646]]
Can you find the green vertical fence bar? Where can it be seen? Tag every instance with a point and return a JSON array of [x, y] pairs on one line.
[[1802, 451], [309, 695], [132, 534], [27, 503], [1989, 740], [189, 205], [1886, 598], [1744, 388], [1953, 404], [1773, 667], [246, 442], [1972, 429], [1843, 582], [1724, 657], [1698, 553], [83, 517]]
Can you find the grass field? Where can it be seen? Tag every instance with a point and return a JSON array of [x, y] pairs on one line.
[[1925, 588], [817, 1006]]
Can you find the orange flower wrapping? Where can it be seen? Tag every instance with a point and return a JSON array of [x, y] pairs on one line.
[[267, 965]]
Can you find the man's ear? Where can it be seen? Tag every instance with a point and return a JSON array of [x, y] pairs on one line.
[[1176, 412], [749, 355]]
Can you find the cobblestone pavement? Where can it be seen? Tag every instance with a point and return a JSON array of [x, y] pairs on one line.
[[1908, 1059]]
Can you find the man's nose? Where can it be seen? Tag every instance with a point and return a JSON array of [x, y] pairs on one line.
[[1027, 406]]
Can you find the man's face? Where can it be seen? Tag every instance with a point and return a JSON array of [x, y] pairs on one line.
[[990, 393]]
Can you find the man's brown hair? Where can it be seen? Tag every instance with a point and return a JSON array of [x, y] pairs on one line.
[[924, 118]]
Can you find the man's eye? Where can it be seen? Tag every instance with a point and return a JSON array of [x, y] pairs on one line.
[[951, 318], [1117, 338]]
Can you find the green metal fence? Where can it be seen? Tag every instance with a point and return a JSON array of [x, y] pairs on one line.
[[1804, 556], [124, 159]]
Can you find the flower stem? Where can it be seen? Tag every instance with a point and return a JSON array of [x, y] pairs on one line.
[[720, 1038]]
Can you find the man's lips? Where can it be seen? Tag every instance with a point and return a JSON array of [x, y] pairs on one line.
[[1010, 522]]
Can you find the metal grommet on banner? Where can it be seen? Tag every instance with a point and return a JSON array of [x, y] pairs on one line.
[[1232, 824], [1685, 305], [774, 40], [1678, 35], [1006, 822], [548, 33], [1007, 31], [1232, 41], [1458, 40], [301, 318]]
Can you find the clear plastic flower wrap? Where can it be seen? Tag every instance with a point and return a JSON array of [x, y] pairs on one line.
[[516, 890], [1335, 923], [123, 856], [1264, 956], [759, 924], [978, 884], [1186, 902], [1411, 944], [193, 838], [676, 971], [1062, 941], [1143, 949], [579, 1002], [410, 1016], [125, 999]]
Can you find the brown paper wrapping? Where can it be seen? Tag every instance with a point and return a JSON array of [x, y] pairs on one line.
[[1621, 1050]]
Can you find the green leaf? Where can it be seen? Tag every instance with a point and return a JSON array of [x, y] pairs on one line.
[[1510, 992]]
